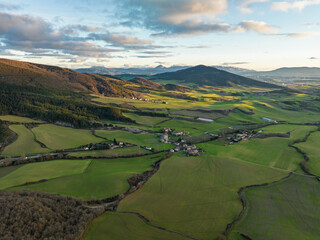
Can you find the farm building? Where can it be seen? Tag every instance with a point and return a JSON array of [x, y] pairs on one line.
[[207, 120]]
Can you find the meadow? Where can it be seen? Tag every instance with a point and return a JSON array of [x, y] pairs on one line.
[[25, 143], [272, 152], [311, 148], [285, 210], [42, 170], [118, 152], [197, 195], [135, 229], [18, 119], [141, 139], [57, 138], [101, 179]]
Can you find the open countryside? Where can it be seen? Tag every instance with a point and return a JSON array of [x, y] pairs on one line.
[[159, 120]]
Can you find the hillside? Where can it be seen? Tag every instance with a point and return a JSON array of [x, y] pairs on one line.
[[36, 75], [203, 75], [144, 82]]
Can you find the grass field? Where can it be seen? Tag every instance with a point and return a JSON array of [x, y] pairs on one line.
[[145, 120], [17, 119], [142, 139], [25, 144], [311, 148], [272, 152], [196, 196], [6, 170], [118, 152], [110, 226], [56, 137], [43, 170], [102, 178], [286, 210]]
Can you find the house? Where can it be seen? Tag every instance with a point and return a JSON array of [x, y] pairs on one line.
[[147, 148], [172, 150], [164, 138]]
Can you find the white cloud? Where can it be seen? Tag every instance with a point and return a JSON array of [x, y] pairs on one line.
[[301, 34], [259, 27], [245, 6], [178, 17], [295, 5]]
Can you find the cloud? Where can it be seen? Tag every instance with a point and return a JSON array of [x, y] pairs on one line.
[[9, 6], [259, 27], [180, 17], [246, 4], [300, 34], [234, 63], [34, 35], [119, 39], [314, 58], [295, 5], [73, 29]]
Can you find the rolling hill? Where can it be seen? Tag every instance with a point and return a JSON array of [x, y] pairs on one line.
[[36, 75], [210, 76]]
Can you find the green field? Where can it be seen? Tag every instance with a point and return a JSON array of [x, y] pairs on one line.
[[56, 137], [312, 149], [102, 178], [142, 139], [118, 152], [285, 210], [6, 170], [272, 152], [17, 119], [145, 120], [196, 196], [25, 144], [110, 226], [43, 170]]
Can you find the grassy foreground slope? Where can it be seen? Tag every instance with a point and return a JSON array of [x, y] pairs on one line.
[[56, 137], [311, 148], [110, 226], [288, 210], [42, 170], [102, 178], [25, 144], [196, 196]]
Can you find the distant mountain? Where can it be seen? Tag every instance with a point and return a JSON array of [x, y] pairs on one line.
[[130, 71], [30, 74], [288, 73], [203, 75]]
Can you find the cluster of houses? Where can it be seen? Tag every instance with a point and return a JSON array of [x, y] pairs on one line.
[[166, 132], [190, 150], [239, 137]]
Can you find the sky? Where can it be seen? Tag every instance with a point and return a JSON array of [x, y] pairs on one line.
[[252, 34]]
